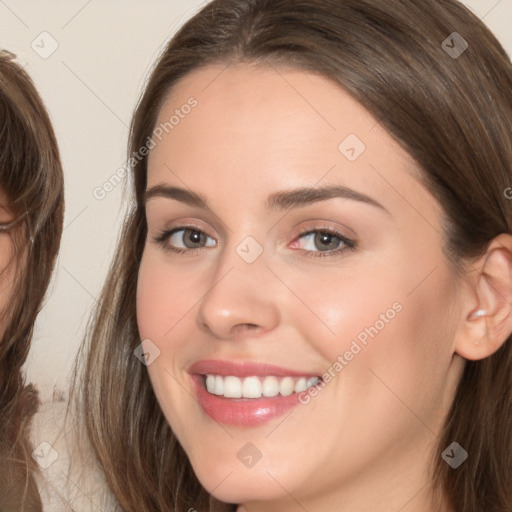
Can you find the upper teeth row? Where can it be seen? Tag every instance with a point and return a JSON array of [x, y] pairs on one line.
[[255, 387]]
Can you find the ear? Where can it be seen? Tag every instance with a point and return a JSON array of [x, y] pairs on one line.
[[487, 304]]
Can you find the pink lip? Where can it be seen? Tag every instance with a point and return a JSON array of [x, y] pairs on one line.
[[242, 412]]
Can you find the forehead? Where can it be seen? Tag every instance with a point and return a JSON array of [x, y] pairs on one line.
[[255, 126], [273, 103], [274, 108]]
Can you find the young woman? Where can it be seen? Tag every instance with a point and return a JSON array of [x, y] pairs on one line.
[[310, 306], [31, 215]]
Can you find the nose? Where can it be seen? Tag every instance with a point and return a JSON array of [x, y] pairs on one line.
[[241, 302]]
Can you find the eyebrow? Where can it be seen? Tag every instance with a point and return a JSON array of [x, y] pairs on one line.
[[284, 200]]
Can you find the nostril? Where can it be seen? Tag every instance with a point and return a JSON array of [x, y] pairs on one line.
[[241, 327]]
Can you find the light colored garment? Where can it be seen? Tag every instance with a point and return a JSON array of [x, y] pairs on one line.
[[69, 478]]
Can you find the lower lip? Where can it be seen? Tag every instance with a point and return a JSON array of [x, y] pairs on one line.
[[242, 412]]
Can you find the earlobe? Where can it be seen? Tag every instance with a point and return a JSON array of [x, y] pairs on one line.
[[475, 316], [488, 317]]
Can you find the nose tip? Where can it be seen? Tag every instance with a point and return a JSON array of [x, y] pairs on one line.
[[240, 305]]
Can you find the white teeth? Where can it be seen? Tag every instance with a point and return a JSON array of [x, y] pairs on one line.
[[270, 387], [232, 387], [251, 388], [256, 387], [286, 386], [300, 385], [210, 384], [219, 385]]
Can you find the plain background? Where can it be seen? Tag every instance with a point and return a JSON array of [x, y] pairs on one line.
[[90, 83]]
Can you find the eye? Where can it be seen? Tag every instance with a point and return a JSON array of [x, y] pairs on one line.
[[184, 239], [323, 242], [314, 242]]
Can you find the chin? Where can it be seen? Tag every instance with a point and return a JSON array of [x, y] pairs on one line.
[[232, 485]]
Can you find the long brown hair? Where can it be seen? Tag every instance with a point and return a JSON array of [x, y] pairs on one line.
[[31, 179], [448, 105]]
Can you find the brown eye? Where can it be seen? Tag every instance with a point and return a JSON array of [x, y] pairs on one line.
[[323, 242], [326, 241], [183, 239], [192, 238]]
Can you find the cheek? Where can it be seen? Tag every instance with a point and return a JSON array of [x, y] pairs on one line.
[[162, 304], [149, 308], [381, 323], [405, 333], [163, 298], [335, 308]]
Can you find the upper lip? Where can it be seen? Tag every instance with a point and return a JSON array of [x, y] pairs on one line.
[[243, 369]]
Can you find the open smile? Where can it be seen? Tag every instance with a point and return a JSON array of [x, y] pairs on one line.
[[247, 394]]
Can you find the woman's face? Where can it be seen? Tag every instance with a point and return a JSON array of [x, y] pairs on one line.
[[288, 239]]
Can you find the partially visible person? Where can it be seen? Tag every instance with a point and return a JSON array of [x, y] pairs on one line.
[[31, 219]]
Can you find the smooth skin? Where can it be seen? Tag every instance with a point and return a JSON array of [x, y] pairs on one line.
[[366, 441]]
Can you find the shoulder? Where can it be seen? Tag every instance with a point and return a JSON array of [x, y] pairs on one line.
[[68, 479]]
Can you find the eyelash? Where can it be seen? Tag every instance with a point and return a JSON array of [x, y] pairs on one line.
[[351, 245]]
